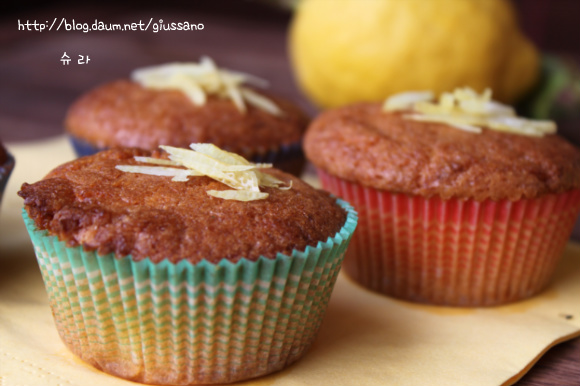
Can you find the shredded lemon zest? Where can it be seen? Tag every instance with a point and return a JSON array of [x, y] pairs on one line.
[[466, 110], [233, 170], [406, 100], [156, 161], [238, 195], [462, 123], [198, 80], [177, 174]]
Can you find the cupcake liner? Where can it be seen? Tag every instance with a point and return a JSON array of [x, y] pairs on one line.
[[185, 323], [455, 252], [83, 148], [288, 157]]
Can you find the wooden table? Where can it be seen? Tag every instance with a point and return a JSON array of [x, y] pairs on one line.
[[36, 87]]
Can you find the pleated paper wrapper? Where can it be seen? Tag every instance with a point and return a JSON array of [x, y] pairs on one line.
[[189, 323], [455, 252]]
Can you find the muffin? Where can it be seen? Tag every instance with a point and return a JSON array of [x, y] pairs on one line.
[[181, 103], [461, 203], [6, 166], [158, 280]]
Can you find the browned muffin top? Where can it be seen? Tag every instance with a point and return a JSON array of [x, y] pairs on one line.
[[383, 150], [124, 113], [90, 203]]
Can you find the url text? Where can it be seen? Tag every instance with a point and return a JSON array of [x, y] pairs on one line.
[[71, 25]]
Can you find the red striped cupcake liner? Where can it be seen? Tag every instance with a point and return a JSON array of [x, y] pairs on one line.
[[455, 252]]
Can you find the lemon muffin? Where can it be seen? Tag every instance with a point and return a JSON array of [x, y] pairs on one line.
[[460, 202], [179, 103], [159, 273]]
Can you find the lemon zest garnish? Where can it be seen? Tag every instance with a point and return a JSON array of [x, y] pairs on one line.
[[213, 168], [197, 80], [462, 123], [268, 180], [238, 195], [177, 174], [156, 161], [537, 128], [467, 110], [208, 160], [217, 153], [260, 101], [406, 100]]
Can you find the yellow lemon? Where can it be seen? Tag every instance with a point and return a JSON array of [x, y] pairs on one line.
[[344, 51]]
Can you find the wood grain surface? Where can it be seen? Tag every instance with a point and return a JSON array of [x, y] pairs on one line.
[[36, 88]]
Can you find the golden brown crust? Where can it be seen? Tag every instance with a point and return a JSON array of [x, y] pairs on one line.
[[382, 150], [90, 203], [123, 113]]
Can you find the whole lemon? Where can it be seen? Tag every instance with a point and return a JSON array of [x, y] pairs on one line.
[[345, 51]]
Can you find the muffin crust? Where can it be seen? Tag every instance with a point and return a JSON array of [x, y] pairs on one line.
[[123, 113], [90, 203], [363, 144]]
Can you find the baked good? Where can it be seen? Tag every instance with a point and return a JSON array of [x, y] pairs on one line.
[[447, 215], [6, 166], [152, 109], [161, 281]]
